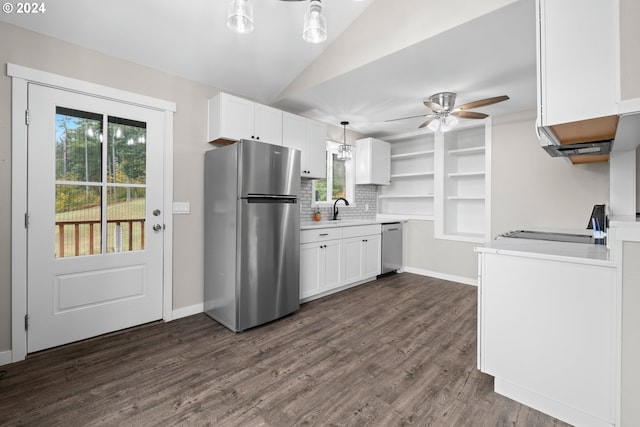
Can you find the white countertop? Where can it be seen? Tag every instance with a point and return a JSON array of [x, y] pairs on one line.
[[624, 221], [340, 223], [556, 251]]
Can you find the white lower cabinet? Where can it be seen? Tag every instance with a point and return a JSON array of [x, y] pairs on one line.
[[337, 257], [320, 267], [547, 333], [361, 257]]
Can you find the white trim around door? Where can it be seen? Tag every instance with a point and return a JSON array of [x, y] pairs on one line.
[[21, 76]]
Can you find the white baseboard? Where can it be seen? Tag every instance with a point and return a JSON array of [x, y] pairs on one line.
[[443, 276], [6, 357], [187, 311]]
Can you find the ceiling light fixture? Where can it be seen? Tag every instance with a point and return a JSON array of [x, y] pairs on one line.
[[344, 150], [240, 19], [444, 123], [315, 23], [240, 16]]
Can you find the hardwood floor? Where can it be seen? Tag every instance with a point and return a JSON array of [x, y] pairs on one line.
[[398, 351]]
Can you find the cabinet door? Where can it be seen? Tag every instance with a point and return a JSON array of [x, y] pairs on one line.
[[236, 117], [332, 254], [353, 251], [577, 60], [267, 124], [294, 135], [372, 256], [310, 271], [316, 150]]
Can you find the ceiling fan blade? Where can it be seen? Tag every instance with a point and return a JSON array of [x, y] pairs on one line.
[[404, 118], [429, 120], [469, 115], [435, 107], [482, 102]]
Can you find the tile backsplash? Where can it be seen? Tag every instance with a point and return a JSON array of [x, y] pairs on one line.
[[365, 195]]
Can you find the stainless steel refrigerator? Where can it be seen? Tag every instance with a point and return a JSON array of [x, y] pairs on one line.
[[252, 233]]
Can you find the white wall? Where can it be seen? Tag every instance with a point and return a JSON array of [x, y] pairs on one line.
[[529, 189], [29, 49]]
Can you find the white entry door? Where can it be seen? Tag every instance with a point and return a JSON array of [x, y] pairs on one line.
[[95, 225]]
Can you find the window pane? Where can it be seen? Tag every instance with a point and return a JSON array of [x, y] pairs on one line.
[[78, 145], [339, 178], [126, 151], [126, 207], [320, 190], [78, 212]]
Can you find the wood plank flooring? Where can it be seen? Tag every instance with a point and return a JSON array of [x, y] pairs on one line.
[[396, 352]]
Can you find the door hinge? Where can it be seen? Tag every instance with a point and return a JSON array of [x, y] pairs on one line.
[[26, 220], [26, 322], [26, 117]]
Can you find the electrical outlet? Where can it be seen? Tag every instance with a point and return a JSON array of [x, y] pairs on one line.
[[181, 208], [366, 207]]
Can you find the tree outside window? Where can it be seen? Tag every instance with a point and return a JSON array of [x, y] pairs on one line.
[[340, 181]]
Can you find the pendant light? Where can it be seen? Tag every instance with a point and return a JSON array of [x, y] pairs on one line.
[[240, 16], [315, 23], [344, 150]]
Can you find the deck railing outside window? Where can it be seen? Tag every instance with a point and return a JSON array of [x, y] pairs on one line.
[[75, 238]]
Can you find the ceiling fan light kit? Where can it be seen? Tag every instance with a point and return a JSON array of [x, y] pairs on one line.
[[444, 115]]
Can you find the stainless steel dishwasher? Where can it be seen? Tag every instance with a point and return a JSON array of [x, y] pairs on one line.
[[391, 247]]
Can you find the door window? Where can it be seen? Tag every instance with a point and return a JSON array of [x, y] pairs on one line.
[[100, 183]]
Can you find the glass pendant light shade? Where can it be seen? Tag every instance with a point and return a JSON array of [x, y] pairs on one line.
[[344, 150], [315, 23], [240, 16]]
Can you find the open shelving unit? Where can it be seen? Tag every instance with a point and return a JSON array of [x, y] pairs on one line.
[[463, 183], [411, 193]]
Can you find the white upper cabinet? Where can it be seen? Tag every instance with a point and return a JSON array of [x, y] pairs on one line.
[[232, 118], [309, 137], [629, 59], [577, 60], [373, 162]]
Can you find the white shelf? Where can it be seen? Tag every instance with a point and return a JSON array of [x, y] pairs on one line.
[[465, 237], [410, 175], [465, 198], [463, 151], [405, 196], [403, 216], [413, 154], [465, 174]]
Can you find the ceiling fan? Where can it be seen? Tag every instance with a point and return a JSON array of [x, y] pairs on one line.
[[444, 113]]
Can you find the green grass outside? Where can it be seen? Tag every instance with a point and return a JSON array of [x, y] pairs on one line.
[[134, 209]]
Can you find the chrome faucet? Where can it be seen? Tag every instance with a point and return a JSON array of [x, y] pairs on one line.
[[335, 208]]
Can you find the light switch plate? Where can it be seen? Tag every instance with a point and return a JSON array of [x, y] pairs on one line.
[[181, 208]]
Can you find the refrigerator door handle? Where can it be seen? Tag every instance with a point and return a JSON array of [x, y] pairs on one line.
[[268, 198]]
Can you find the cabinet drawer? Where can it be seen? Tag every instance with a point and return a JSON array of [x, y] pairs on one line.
[[320, 234], [361, 230]]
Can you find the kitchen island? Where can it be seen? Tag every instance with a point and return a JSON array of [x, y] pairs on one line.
[[548, 327]]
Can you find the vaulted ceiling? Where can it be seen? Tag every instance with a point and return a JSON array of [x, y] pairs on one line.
[[381, 60]]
